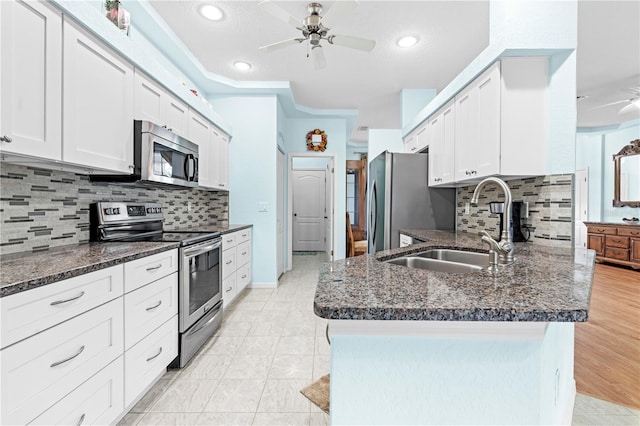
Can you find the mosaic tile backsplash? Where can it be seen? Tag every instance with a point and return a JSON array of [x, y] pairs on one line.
[[40, 208], [550, 199]]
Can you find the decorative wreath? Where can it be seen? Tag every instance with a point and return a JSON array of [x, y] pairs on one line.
[[314, 146]]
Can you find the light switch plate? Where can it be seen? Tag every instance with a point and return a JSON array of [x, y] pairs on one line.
[[467, 208], [263, 206]]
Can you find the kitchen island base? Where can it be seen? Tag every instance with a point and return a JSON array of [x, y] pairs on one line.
[[451, 372]]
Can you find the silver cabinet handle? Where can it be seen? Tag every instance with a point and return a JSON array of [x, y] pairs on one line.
[[243, 253], [153, 268], [244, 276], [229, 289], [59, 302], [81, 420], [228, 262], [244, 235], [230, 241], [57, 363], [6, 139], [222, 184], [151, 308], [156, 355]]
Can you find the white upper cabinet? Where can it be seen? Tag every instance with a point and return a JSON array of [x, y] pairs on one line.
[[223, 161], [442, 134], [411, 142], [201, 133], [30, 79], [153, 103], [477, 139], [97, 104], [422, 137]]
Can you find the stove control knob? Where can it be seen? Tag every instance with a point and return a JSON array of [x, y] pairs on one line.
[[149, 209], [116, 210], [107, 211]]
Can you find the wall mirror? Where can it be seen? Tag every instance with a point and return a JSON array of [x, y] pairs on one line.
[[627, 176]]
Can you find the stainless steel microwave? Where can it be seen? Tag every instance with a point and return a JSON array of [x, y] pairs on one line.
[[160, 157]]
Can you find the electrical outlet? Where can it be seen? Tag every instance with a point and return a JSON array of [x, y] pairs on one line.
[[263, 206], [467, 208]]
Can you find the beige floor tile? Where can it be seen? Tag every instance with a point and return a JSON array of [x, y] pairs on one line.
[[267, 328], [585, 404], [321, 366], [274, 315], [249, 367], [182, 419], [247, 305], [291, 367], [185, 396], [604, 420], [225, 419], [319, 419], [322, 346], [281, 419], [151, 396], [283, 396], [276, 305], [295, 345], [234, 329], [242, 315], [222, 345], [206, 367], [236, 396], [304, 328], [258, 345], [130, 419]]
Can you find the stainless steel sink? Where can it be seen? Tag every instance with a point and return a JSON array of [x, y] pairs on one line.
[[459, 256], [434, 264]]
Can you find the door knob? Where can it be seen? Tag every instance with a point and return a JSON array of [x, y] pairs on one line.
[[295, 214], [6, 139]]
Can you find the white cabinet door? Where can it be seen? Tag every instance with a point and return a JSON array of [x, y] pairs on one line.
[[466, 136], [201, 132], [442, 134], [176, 115], [422, 136], [30, 79], [223, 162], [97, 104], [411, 143], [488, 122], [154, 103]]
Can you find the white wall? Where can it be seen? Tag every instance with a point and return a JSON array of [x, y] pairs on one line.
[[253, 177], [595, 149], [381, 140]]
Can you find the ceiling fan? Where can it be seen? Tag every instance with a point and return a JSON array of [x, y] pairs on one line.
[[632, 103], [316, 27]]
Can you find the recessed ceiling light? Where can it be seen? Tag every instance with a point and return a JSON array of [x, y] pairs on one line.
[[407, 41], [211, 12], [242, 66]]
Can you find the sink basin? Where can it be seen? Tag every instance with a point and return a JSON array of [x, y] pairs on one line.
[[434, 264], [459, 256]]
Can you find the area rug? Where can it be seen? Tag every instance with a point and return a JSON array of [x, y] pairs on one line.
[[318, 393]]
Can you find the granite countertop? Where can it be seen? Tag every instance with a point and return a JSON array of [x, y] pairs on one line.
[[544, 284], [223, 229], [28, 270], [620, 223]]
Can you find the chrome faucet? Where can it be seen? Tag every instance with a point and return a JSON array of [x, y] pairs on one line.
[[504, 248]]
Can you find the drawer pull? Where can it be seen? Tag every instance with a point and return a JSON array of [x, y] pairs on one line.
[[244, 276], [230, 241], [228, 262], [81, 420], [244, 235], [151, 308], [57, 363], [229, 289], [244, 253], [59, 302], [156, 355], [153, 268]]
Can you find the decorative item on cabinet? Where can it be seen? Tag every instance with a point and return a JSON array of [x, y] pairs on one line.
[[117, 15], [619, 244]]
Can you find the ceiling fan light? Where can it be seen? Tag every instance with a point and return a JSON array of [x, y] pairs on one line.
[[407, 41], [242, 65], [636, 102], [211, 12]]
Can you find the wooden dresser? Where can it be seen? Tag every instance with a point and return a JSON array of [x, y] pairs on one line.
[[615, 243]]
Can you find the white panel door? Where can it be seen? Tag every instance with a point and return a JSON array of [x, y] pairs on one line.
[[30, 79], [201, 133], [488, 124], [147, 100], [97, 104], [308, 210], [280, 202], [329, 211], [582, 208]]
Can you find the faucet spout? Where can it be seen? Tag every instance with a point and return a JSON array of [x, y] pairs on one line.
[[505, 247]]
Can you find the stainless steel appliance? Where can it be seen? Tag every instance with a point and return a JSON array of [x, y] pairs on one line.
[[399, 198], [160, 157], [519, 210], [199, 270]]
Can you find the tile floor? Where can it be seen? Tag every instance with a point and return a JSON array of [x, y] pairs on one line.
[[271, 345]]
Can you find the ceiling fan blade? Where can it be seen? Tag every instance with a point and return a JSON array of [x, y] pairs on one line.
[[281, 44], [340, 10], [353, 42], [628, 108], [633, 90], [279, 13], [610, 104], [319, 61]]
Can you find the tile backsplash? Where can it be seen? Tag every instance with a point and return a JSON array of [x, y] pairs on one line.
[[550, 201], [40, 208]]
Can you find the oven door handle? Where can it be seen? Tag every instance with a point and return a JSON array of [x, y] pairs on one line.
[[197, 251]]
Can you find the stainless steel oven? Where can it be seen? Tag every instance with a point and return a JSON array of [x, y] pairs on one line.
[[199, 269]]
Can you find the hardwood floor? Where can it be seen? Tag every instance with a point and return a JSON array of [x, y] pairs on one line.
[[607, 346]]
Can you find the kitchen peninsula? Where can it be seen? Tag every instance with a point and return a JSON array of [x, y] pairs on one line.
[[413, 346]]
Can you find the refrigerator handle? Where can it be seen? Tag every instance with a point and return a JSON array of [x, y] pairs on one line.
[[373, 206]]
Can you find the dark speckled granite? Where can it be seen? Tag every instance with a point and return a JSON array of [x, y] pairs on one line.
[[544, 284], [223, 229], [24, 271]]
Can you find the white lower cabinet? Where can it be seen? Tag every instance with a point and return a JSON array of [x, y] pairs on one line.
[[38, 371], [236, 264], [148, 359], [98, 401]]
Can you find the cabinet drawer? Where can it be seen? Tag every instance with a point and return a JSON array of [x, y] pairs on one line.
[[243, 253], [149, 307], [98, 401], [39, 370], [228, 262], [244, 235], [601, 230], [229, 241], [144, 362], [143, 271], [243, 276], [229, 289], [617, 241], [629, 232], [29, 312], [616, 253]]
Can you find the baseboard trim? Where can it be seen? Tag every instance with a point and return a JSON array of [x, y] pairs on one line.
[[567, 415], [263, 285]]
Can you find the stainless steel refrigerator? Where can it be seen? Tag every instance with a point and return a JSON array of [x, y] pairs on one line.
[[400, 198]]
